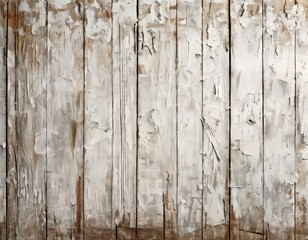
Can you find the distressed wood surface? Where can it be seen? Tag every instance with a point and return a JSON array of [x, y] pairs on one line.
[[157, 113], [65, 110], [246, 119], [30, 80], [279, 118], [189, 105], [3, 73], [124, 55], [98, 120], [215, 119], [153, 119], [301, 62], [11, 165]]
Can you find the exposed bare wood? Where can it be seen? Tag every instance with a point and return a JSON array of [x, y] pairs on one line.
[[124, 57], [11, 168], [215, 119], [279, 115], [3, 73], [123, 119], [189, 38], [301, 120], [246, 117], [242, 235], [98, 119], [30, 103], [65, 91], [157, 148]]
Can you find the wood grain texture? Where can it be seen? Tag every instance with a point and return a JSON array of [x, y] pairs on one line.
[[215, 119], [279, 118], [98, 120], [246, 118], [157, 143], [124, 55], [189, 105], [301, 120], [11, 168], [30, 103], [153, 119], [65, 97], [3, 74]]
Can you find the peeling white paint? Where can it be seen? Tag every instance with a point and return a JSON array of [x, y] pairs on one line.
[[180, 158], [189, 34], [157, 116], [246, 117]]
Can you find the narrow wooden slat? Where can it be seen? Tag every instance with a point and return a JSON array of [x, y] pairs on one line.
[[215, 120], [98, 120], [65, 91], [157, 148], [279, 116], [124, 45], [3, 50], [246, 118], [189, 38], [11, 174], [30, 118], [301, 120]]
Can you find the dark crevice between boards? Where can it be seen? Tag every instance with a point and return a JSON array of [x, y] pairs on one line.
[[295, 119], [263, 18], [112, 124], [84, 114], [203, 226], [46, 116], [6, 113], [137, 112], [231, 215], [177, 117]]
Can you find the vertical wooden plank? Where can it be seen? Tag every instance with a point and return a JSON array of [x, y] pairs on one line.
[[65, 119], [98, 120], [11, 174], [215, 119], [279, 118], [301, 120], [246, 119], [124, 54], [3, 74], [30, 118], [189, 38], [157, 143]]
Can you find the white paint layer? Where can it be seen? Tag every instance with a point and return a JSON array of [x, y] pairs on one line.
[[215, 120], [189, 92], [302, 120], [98, 120], [246, 118], [124, 117], [65, 119], [157, 118], [279, 118]]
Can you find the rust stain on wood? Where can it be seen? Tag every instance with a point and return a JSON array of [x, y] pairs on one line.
[[78, 205], [74, 132]]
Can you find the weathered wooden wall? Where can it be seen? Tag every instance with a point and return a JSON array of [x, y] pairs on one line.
[[153, 119]]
